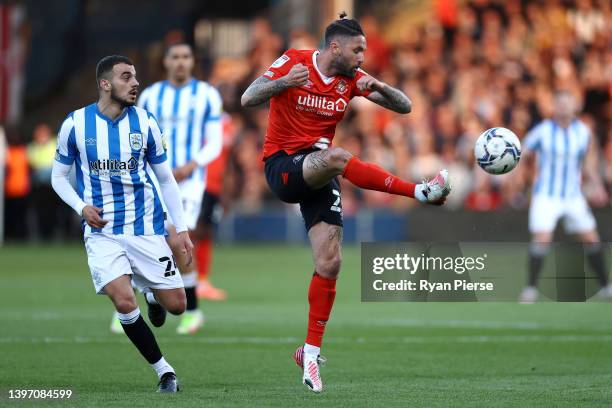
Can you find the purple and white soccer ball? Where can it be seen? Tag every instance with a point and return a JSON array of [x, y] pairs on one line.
[[497, 150]]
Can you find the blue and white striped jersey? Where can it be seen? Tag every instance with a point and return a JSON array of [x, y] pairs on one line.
[[189, 115], [560, 153], [110, 158]]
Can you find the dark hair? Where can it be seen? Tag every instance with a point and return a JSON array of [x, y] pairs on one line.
[[176, 44], [342, 27], [106, 64]]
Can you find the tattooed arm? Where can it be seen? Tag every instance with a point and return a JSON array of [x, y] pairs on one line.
[[385, 95], [391, 98], [263, 88]]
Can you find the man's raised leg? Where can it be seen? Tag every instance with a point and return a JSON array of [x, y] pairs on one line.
[[322, 166]]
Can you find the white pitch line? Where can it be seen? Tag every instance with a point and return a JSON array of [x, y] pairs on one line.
[[339, 340], [345, 321]]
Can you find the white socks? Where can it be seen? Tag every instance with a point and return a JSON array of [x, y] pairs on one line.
[[129, 318], [150, 297], [162, 367], [312, 350], [190, 279]]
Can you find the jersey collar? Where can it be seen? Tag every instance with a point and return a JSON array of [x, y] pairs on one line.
[[326, 80], [109, 120], [186, 84]]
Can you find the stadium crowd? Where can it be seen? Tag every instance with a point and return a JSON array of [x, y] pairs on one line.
[[475, 65]]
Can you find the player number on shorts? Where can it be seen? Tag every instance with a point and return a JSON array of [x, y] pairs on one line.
[[170, 262], [336, 205]]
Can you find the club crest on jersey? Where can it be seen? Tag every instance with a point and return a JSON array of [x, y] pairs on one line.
[[164, 143], [341, 87], [135, 141]]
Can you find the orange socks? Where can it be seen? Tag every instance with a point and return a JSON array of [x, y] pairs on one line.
[[321, 295], [373, 177], [203, 253]]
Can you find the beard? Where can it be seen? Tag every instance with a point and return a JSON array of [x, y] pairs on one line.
[[345, 69], [123, 102], [351, 72]]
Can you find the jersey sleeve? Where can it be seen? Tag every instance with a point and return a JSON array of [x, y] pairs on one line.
[[212, 129], [282, 65], [156, 144], [532, 140], [585, 132], [143, 99], [356, 92], [66, 151], [215, 104]]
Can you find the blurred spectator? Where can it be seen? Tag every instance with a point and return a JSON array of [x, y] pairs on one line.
[[49, 212], [16, 188]]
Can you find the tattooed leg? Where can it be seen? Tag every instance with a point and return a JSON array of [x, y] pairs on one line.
[[320, 167], [326, 242]]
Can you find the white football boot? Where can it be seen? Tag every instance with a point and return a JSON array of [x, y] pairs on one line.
[[605, 293], [529, 295], [434, 191], [310, 365]]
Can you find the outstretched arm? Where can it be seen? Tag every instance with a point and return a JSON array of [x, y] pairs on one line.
[[262, 89], [385, 95]]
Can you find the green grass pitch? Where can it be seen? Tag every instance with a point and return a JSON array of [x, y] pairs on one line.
[[54, 335]]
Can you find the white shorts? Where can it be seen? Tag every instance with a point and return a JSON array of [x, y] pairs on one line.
[[191, 196], [146, 257], [191, 210], [545, 212]]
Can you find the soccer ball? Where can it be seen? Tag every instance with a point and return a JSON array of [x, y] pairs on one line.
[[497, 150]]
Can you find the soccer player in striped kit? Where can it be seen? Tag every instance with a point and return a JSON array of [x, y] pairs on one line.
[[563, 145], [111, 143], [189, 112]]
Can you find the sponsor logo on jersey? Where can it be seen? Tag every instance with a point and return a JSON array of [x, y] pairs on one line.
[[112, 167], [280, 61], [135, 141], [323, 103], [90, 141]]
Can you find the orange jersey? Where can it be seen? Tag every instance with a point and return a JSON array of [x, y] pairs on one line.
[[306, 116], [215, 171]]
